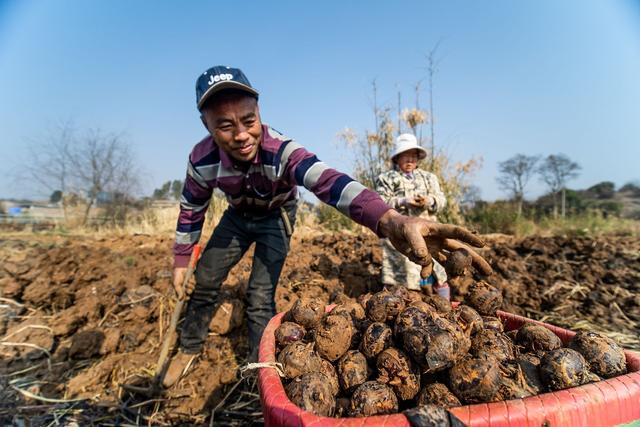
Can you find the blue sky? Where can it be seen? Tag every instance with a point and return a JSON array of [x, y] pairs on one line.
[[532, 77]]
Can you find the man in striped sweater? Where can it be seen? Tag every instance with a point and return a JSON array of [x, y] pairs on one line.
[[259, 169]]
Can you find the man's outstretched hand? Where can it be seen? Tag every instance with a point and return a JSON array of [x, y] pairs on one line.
[[420, 240]]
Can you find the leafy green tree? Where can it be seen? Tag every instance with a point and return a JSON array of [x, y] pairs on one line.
[[55, 197], [176, 189]]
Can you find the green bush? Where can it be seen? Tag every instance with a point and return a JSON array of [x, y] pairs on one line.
[[333, 220]]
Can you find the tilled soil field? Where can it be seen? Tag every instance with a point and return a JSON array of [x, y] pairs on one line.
[[79, 317]]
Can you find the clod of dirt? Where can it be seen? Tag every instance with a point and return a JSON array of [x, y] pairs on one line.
[[468, 319], [384, 306], [227, 316], [110, 342], [307, 312], [604, 356], [437, 394], [333, 336], [535, 337], [530, 366], [484, 298], [86, 344], [475, 380], [432, 341], [312, 392], [373, 398], [458, 263], [396, 369], [299, 358], [376, 338], [330, 371], [564, 368], [353, 370], [491, 322], [494, 343], [289, 332]]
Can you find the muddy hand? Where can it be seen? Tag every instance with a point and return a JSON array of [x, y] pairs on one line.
[[178, 279], [420, 239]]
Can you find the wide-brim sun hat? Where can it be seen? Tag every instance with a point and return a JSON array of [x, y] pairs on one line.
[[406, 142]]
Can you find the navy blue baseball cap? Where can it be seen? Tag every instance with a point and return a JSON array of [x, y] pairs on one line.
[[218, 78]]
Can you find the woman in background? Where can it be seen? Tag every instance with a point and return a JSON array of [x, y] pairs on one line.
[[416, 192]]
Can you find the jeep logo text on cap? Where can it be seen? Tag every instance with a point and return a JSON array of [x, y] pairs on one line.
[[218, 78]]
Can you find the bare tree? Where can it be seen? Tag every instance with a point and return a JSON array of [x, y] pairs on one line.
[[102, 164], [48, 162], [515, 174], [555, 171], [84, 166]]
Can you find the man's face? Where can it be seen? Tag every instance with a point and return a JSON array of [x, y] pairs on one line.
[[234, 123], [408, 161]]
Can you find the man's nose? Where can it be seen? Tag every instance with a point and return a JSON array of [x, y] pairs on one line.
[[241, 134]]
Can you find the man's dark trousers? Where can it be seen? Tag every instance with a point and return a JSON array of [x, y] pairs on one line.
[[232, 237]]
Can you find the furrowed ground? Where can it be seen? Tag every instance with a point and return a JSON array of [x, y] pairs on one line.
[[80, 316]]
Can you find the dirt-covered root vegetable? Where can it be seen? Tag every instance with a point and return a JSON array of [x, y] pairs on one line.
[[535, 337], [484, 298], [437, 394], [416, 316], [494, 343], [458, 262], [353, 311], [441, 304], [604, 356], [376, 338], [397, 370], [299, 358], [564, 368], [289, 332], [373, 398], [530, 365], [407, 295], [492, 322], [350, 308], [431, 416], [307, 312], [384, 306], [353, 370], [333, 336], [475, 380], [342, 407], [513, 382], [434, 342], [363, 299], [312, 392], [330, 372], [468, 319]]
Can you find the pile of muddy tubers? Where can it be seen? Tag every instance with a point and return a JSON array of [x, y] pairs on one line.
[[399, 349]]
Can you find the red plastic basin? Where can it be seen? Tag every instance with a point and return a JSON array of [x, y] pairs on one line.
[[605, 403]]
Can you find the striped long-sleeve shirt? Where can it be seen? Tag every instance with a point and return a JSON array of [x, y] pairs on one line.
[[271, 180]]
